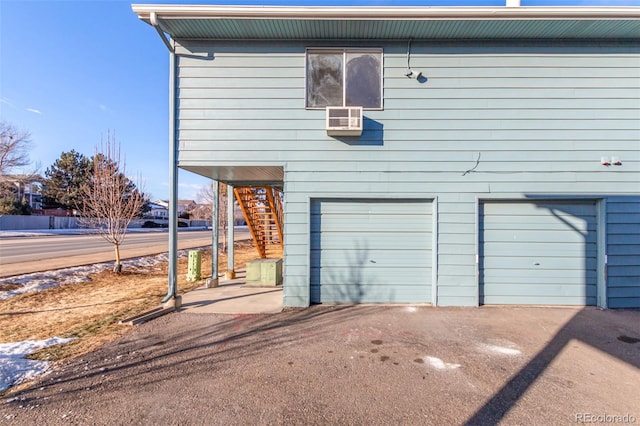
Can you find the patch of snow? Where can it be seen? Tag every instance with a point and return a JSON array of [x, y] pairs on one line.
[[411, 309], [502, 350], [39, 281], [439, 364], [15, 368]]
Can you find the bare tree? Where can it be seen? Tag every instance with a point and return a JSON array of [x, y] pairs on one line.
[[14, 148], [205, 197], [111, 199]]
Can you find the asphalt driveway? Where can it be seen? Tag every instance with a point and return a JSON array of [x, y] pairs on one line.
[[366, 365]]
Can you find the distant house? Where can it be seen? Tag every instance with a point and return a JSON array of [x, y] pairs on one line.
[[26, 188], [158, 209], [186, 206], [445, 155]]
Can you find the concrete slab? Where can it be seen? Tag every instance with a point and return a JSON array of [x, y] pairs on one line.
[[233, 297]]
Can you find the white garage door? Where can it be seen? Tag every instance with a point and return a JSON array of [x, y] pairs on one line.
[[538, 253], [368, 251]]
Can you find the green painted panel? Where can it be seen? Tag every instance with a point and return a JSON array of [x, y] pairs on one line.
[[370, 251], [521, 262]]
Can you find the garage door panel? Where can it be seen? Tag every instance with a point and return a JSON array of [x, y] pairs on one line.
[[538, 236], [525, 276], [362, 241], [338, 294], [541, 249], [540, 208], [371, 276], [542, 290], [371, 251], [342, 223], [535, 264], [581, 226], [543, 300], [372, 258], [369, 207], [526, 280], [538, 252]]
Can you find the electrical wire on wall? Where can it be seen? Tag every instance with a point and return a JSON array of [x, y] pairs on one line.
[[471, 170], [410, 73]]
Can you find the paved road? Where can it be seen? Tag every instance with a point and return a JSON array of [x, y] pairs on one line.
[[22, 255]]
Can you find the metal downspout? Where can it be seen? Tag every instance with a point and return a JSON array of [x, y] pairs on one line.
[[172, 290], [153, 19]]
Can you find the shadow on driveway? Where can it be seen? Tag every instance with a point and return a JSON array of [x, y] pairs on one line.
[[363, 364]]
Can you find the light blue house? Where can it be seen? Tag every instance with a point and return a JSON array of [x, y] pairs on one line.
[[495, 159]]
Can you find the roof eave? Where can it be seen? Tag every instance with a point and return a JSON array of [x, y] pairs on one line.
[[144, 12]]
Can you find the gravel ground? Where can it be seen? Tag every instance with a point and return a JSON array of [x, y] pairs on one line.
[[352, 365]]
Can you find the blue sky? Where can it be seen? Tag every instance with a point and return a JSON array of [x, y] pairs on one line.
[[70, 71]]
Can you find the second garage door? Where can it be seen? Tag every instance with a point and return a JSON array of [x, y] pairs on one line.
[[538, 252], [371, 251]]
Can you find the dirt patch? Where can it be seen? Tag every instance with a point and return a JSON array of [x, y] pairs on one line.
[[9, 287], [90, 311]]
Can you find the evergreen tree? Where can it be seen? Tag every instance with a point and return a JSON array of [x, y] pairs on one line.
[[64, 181]]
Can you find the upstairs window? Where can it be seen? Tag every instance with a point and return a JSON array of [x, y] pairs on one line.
[[344, 77]]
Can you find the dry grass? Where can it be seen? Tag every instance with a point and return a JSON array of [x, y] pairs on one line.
[[90, 311]]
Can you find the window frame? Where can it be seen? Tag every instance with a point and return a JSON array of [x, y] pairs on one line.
[[344, 51]]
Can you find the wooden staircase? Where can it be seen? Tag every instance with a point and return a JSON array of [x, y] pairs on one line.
[[263, 211]]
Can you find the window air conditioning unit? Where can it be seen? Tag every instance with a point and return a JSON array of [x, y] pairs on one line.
[[344, 121]]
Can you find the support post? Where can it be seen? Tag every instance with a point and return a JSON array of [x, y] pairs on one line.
[[215, 235], [231, 272], [172, 298]]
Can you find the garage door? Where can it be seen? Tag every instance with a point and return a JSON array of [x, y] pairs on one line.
[[538, 253], [371, 251]]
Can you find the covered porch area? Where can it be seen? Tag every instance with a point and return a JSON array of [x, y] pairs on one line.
[[258, 191]]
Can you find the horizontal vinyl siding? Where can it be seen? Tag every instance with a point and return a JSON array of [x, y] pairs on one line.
[[492, 120], [623, 252]]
